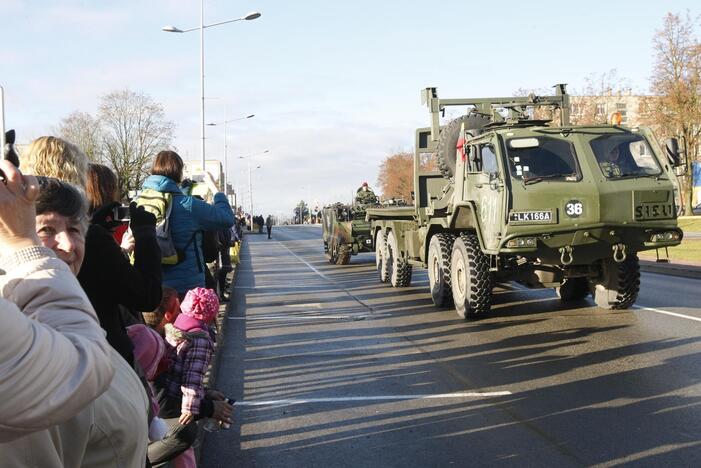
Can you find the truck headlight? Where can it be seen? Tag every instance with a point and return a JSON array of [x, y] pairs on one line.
[[666, 236], [522, 242]]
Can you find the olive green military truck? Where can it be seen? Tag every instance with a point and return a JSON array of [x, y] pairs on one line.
[[345, 232], [517, 199]]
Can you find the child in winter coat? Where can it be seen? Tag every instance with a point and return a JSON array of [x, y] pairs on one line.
[[190, 337], [167, 311], [149, 352]]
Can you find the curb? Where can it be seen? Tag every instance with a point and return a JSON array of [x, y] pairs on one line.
[[671, 269], [211, 375]]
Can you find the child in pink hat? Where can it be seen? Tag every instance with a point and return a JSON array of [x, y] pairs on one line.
[[190, 337]]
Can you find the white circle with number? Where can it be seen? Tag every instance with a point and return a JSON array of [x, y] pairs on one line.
[[574, 208]]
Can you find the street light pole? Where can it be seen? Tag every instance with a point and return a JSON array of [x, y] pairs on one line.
[[251, 16], [226, 144], [202, 136]]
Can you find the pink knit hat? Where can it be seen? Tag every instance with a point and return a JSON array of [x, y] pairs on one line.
[[149, 348], [201, 303]]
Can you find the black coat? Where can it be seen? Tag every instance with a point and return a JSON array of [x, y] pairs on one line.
[[110, 280]]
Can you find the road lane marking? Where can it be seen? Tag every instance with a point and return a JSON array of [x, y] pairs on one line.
[[310, 317], [667, 312], [439, 396], [370, 309]]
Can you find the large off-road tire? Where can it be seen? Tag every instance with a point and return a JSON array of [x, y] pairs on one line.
[[619, 283], [573, 289], [332, 253], [399, 268], [448, 140], [470, 278], [344, 255], [439, 251], [381, 256]]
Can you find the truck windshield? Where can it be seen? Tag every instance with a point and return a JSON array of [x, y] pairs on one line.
[[627, 155], [544, 158]]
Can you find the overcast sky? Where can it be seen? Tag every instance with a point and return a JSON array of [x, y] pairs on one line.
[[334, 85]]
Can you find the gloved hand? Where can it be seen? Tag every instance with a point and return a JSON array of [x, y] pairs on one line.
[[140, 217], [104, 216]]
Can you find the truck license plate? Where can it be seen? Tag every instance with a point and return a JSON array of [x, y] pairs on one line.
[[531, 217], [655, 211]]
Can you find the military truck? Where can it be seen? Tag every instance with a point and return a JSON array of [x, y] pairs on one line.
[[345, 232], [520, 199]]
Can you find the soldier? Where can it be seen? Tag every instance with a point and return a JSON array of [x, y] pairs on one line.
[[615, 164], [365, 196]]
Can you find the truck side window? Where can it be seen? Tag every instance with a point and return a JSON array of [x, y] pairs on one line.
[[472, 159], [488, 159]]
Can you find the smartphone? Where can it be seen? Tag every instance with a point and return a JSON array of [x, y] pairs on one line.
[[121, 213]]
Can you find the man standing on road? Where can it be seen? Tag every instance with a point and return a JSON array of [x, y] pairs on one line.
[[269, 225]]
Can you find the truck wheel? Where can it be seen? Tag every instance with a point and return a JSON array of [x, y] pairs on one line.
[[573, 289], [619, 284], [471, 280], [448, 140], [439, 251], [344, 255], [332, 254], [399, 268], [380, 256]]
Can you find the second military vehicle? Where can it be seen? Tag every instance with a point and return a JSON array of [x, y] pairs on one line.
[[345, 230], [518, 199]]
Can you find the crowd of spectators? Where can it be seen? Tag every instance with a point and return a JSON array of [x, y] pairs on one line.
[[105, 346]]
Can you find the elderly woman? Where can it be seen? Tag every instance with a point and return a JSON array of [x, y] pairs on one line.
[[108, 277], [113, 429], [54, 359]]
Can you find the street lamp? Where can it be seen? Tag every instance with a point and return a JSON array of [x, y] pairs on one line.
[[251, 16], [250, 190], [226, 158]]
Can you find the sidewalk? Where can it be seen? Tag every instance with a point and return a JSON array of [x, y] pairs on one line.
[[678, 268]]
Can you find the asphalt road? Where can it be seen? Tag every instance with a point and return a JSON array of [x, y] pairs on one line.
[[331, 368]]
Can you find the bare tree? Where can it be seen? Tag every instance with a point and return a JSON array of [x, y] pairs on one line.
[[675, 108], [84, 131], [135, 130]]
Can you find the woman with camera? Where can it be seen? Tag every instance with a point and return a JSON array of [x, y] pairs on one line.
[[107, 429]]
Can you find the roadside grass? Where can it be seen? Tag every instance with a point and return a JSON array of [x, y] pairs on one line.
[[689, 251], [690, 223]]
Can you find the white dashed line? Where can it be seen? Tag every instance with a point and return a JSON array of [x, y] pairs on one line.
[[310, 317], [667, 312], [300, 401]]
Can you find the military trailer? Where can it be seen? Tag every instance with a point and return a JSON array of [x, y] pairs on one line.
[[519, 199], [345, 232]]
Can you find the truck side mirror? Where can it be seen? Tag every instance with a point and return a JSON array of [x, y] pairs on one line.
[[672, 147]]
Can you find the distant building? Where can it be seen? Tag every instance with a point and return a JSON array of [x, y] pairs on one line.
[[598, 109]]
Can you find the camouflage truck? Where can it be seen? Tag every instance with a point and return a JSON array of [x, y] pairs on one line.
[[345, 232], [518, 199]]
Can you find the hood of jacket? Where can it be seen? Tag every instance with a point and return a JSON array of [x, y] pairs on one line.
[[162, 184]]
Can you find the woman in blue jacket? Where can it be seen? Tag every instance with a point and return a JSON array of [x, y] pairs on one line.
[[188, 219]]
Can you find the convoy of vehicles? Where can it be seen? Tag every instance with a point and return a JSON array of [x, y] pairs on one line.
[[517, 199]]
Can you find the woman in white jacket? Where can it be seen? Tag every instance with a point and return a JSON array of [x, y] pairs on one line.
[[54, 358], [111, 430]]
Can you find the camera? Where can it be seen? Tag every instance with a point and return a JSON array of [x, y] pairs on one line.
[[121, 213]]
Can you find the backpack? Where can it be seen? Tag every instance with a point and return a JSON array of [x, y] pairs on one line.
[[161, 205]]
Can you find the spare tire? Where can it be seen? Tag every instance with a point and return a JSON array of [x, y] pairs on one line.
[[448, 140]]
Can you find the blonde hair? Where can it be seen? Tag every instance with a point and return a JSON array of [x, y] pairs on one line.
[[53, 157]]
